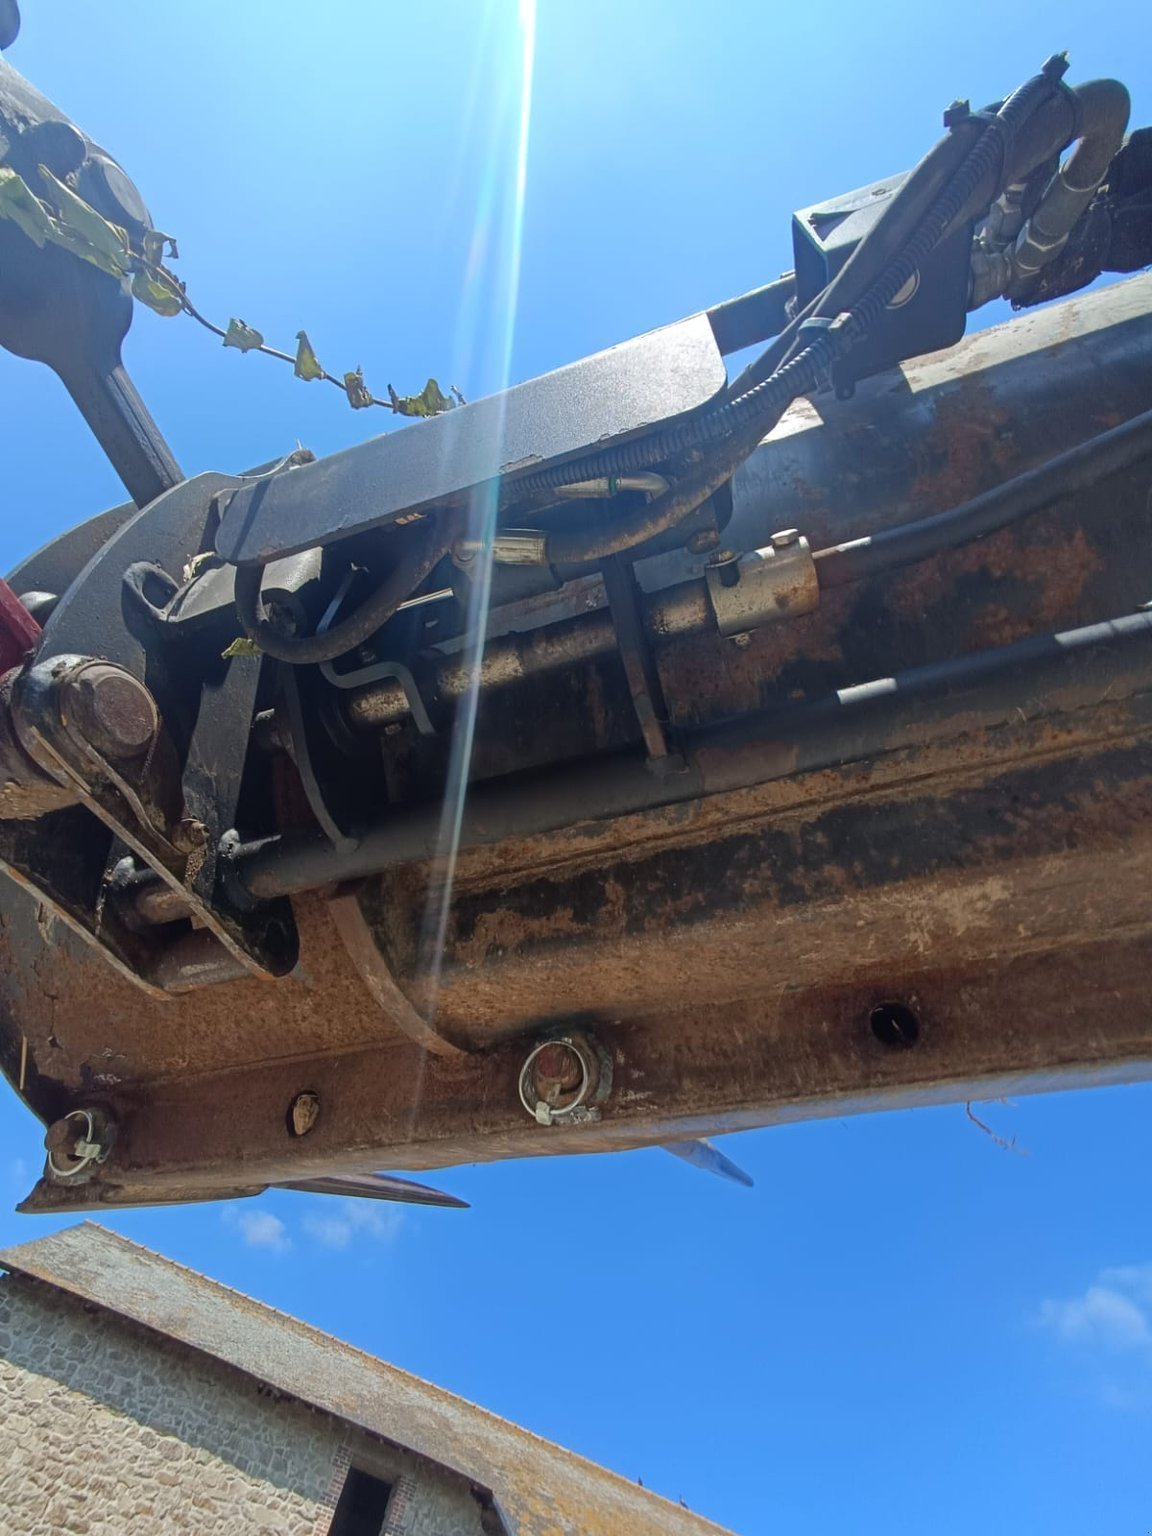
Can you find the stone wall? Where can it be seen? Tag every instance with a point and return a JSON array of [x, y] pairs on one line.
[[109, 1430]]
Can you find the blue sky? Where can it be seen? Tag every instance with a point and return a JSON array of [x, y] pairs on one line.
[[903, 1326]]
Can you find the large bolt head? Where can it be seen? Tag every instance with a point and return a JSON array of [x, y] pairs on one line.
[[556, 1070], [113, 710]]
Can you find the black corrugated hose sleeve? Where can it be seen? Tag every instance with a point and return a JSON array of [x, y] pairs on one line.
[[974, 181], [735, 426]]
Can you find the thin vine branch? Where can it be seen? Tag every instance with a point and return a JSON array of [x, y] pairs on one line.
[[1006, 1146], [352, 384], [62, 217]]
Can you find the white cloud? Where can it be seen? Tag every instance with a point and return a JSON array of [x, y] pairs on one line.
[[259, 1229], [1114, 1313], [336, 1224], [1134, 1279]]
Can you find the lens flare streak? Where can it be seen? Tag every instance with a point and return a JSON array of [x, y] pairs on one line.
[[485, 338]]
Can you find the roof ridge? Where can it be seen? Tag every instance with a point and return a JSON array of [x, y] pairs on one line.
[[328, 1339]]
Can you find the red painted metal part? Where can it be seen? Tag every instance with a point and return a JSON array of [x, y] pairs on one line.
[[19, 631]]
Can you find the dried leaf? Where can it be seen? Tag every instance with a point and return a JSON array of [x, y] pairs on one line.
[[20, 204], [241, 646], [307, 363], [358, 395], [244, 338], [431, 401], [85, 232], [198, 563], [158, 292], [154, 245]]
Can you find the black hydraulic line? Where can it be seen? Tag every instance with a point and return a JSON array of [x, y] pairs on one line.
[[925, 182], [431, 545], [1103, 108], [721, 438], [1109, 453], [971, 185], [1100, 662], [731, 430]]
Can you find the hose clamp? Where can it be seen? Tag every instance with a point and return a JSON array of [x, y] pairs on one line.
[[769, 584]]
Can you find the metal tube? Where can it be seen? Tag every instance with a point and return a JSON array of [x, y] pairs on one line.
[[1099, 661], [753, 317], [679, 610], [611, 485], [155, 901]]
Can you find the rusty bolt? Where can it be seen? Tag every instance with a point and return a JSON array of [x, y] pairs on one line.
[[564, 1080], [742, 640], [189, 835], [303, 1113], [703, 540], [785, 538], [60, 1139], [78, 1143], [556, 1070], [112, 710]]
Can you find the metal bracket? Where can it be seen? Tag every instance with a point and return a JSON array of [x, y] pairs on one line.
[[114, 755], [639, 662], [776, 582], [375, 671]]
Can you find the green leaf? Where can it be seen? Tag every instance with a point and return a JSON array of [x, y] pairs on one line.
[[243, 337], [85, 232], [157, 291], [431, 401], [20, 204], [241, 646], [358, 394], [307, 363]]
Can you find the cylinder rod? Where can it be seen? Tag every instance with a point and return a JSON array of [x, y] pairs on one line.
[[1067, 670]]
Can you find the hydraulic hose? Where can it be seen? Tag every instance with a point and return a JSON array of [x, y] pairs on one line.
[[909, 205], [733, 428], [430, 545], [957, 179], [1109, 453], [1103, 118]]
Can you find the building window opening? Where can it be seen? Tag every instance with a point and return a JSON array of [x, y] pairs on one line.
[[363, 1505]]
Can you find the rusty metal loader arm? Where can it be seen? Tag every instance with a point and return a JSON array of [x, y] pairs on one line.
[[639, 755]]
